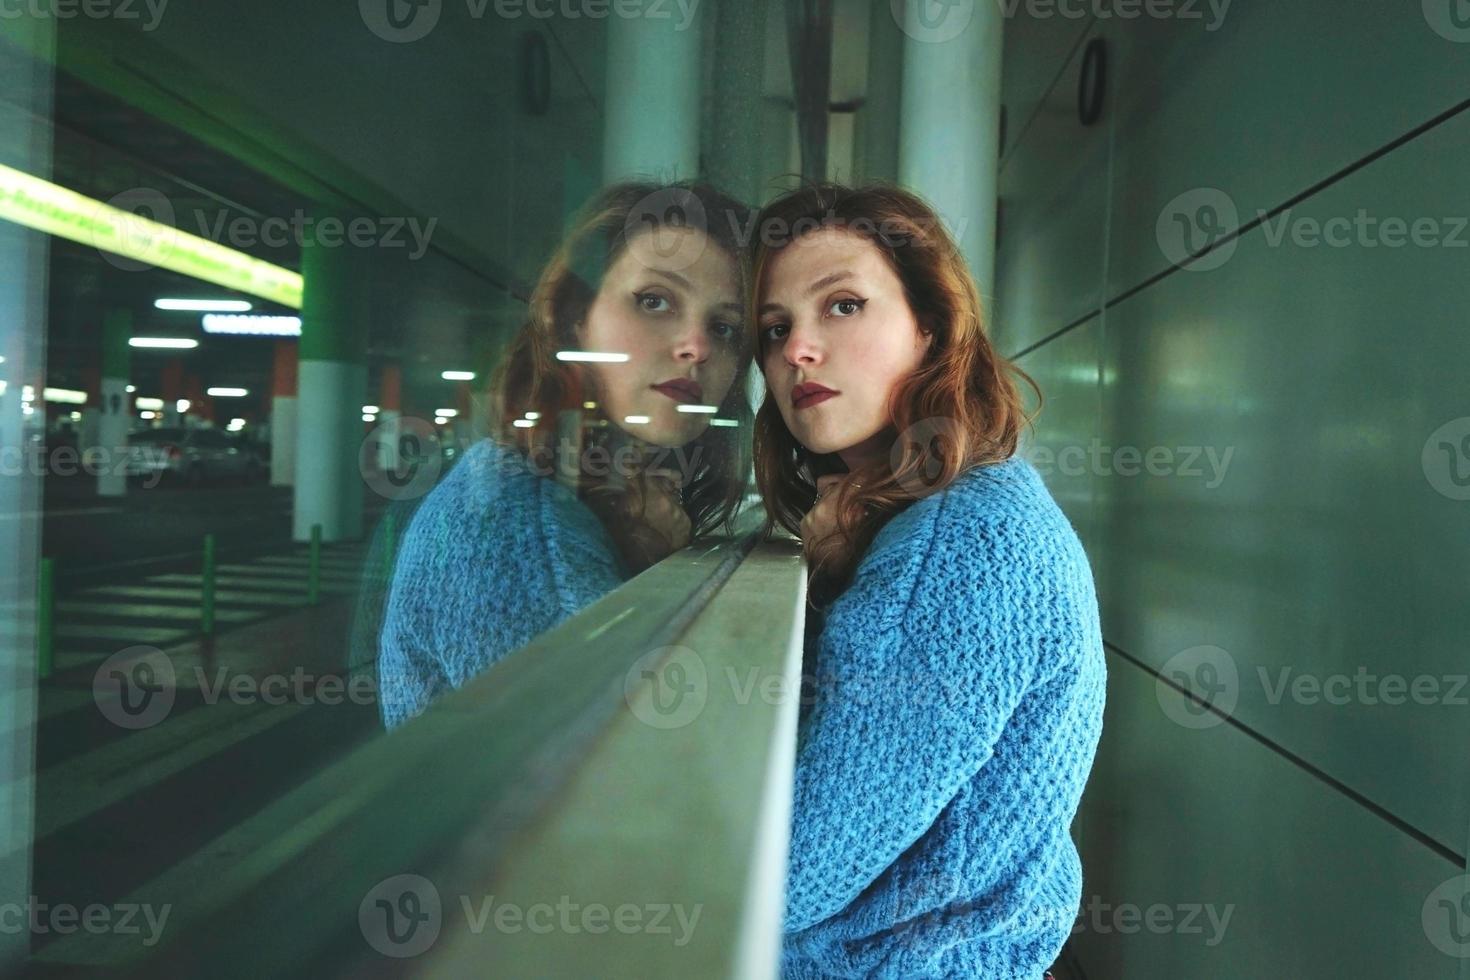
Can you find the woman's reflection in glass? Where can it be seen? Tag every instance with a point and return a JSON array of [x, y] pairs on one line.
[[622, 431]]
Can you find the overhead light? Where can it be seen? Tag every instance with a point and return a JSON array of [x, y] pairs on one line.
[[725, 423], [76, 416], [441, 420], [54, 210], [636, 420], [533, 416], [458, 375], [203, 305], [182, 405], [130, 388], [589, 405], [369, 418], [698, 409], [64, 396], [370, 410], [154, 404], [163, 343], [27, 393], [524, 423], [446, 413], [591, 357], [146, 415], [236, 424], [252, 325], [226, 392]]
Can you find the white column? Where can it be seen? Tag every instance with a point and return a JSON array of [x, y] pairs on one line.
[[283, 440], [949, 130], [651, 114], [113, 416], [388, 432]]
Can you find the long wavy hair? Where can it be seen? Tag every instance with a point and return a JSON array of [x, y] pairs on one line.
[[960, 408], [531, 379]]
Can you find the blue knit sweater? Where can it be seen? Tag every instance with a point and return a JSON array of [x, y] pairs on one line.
[[955, 710], [495, 556]]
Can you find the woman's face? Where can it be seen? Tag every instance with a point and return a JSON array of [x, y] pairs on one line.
[[671, 302], [838, 335]]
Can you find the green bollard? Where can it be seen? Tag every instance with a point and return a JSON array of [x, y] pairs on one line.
[[206, 599], [45, 608], [314, 570]]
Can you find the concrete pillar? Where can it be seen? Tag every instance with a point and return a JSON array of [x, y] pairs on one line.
[[390, 410], [25, 132], [949, 130], [332, 388], [115, 407], [283, 415], [651, 115]]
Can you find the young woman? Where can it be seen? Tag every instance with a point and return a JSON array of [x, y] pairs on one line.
[[954, 680], [596, 472]]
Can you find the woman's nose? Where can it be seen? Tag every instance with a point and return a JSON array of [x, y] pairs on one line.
[[692, 344], [801, 347]]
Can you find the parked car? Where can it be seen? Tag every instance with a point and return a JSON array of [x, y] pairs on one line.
[[191, 456]]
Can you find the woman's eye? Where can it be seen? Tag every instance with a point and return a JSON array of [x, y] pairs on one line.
[[774, 331], [653, 302], [847, 307], [725, 331]]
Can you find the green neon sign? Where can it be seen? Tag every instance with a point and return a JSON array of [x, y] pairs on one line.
[[54, 210]]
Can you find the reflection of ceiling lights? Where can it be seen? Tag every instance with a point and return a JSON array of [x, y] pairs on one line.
[[591, 357], [163, 343], [202, 305], [154, 404], [524, 423], [54, 210], [252, 325], [182, 405], [369, 418], [64, 396], [146, 415], [226, 392], [533, 416], [458, 375], [725, 423], [446, 413], [698, 409], [636, 420]]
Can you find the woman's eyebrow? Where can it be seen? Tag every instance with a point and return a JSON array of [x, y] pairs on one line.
[[826, 281], [672, 276]]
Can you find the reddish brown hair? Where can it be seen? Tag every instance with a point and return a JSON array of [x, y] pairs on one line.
[[961, 407]]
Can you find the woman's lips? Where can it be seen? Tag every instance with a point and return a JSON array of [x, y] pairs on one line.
[[809, 394], [681, 390]]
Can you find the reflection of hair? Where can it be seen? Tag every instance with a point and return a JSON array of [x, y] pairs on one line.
[[959, 409], [530, 378]]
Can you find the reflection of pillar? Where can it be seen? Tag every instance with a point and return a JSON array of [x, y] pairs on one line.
[[283, 415], [26, 58], [651, 108], [114, 414], [89, 433], [171, 389], [332, 376], [390, 410], [949, 126], [463, 424]]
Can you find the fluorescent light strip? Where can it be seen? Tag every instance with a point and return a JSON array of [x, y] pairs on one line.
[[49, 208], [591, 357], [226, 392], [445, 413], [203, 305], [152, 404], [636, 420], [698, 409], [163, 343], [524, 424], [725, 423], [252, 325], [64, 396], [458, 375]]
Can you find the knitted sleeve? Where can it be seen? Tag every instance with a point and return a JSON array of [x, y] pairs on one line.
[[483, 569], [920, 664]]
